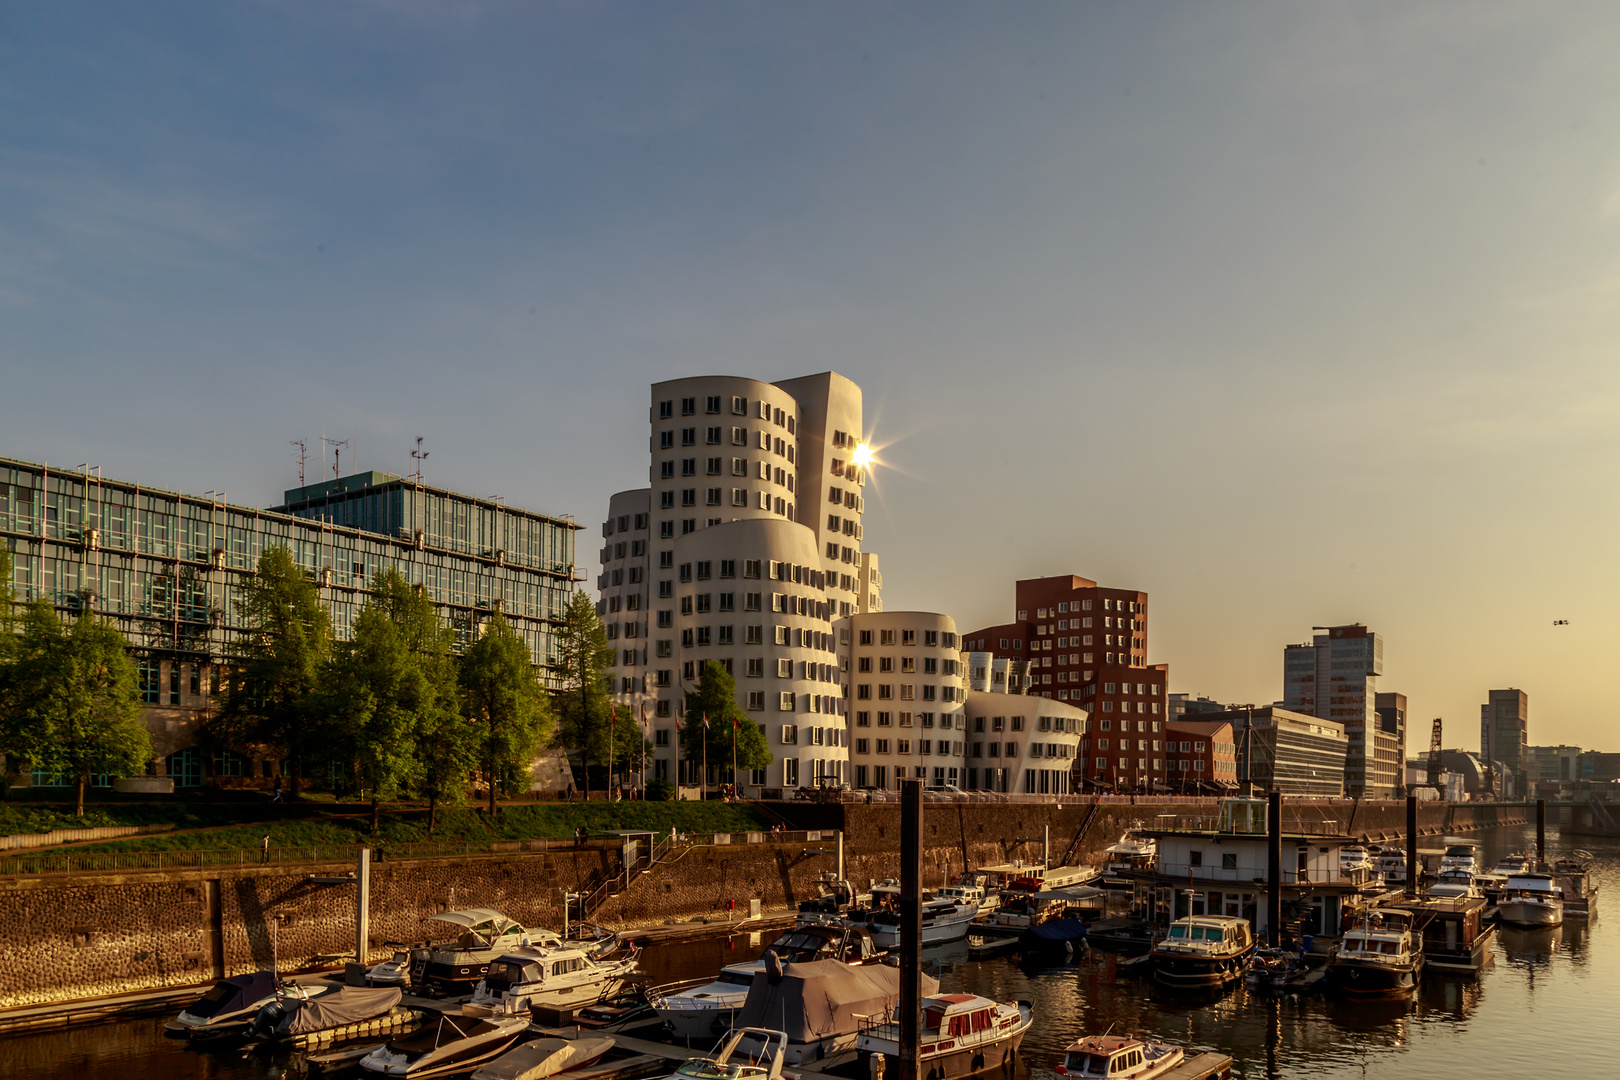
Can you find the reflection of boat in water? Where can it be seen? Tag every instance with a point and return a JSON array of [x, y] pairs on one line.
[[1532, 946]]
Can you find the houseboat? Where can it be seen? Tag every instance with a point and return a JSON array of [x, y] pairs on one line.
[[1380, 957], [539, 978], [1099, 1056], [1574, 875], [1531, 900], [1456, 937], [1205, 951], [962, 1035]]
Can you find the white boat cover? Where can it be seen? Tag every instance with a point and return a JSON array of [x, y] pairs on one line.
[[472, 917], [543, 1057], [346, 1005], [821, 998]]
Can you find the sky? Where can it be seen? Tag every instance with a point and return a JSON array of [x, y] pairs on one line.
[[1288, 315]]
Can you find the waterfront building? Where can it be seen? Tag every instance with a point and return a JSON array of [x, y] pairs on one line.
[[1334, 677], [1504, 732], [1282, 750], [747, 554], [1200, 756], [164, 567], [1087, 645], [1020, 743], [906, 715], [1179, 705]]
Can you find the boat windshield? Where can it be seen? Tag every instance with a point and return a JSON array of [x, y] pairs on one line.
[[1178, 931], [710, 1070], [1087, 1064]]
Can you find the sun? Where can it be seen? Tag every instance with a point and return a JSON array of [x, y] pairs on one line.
[[863, 455]]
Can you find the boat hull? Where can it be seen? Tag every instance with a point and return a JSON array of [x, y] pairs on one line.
[[1464, 960], [999, 1057], [1357, 978], [1530, 913], [693, 1022], [1191, 971], [938, 933]]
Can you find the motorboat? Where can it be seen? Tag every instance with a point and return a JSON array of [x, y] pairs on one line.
[[1460, 857], [395, 971], [1573, 873], [1119, 1055], [1352, 859], [1454, 883], [1531, 900], [450, 1044], [1134, 851], [961, 1035], [230, 1005], [532, 978], [1057, 918], [455, 967], [1276, 970], [1381, 956], [976, 895], [1516, 862], [749, 1053], [1390, 868], [943, 921], [700, 1008], [540, 1058], [819, 1005], [1209, 951], [1456, 935], [623, 1011], [835, 896], [337, 1012]]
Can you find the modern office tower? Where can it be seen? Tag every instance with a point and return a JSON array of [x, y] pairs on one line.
[[752, 552], [1504, 732], [1334, 677], [1087, 645], [1291, 752], [164, 565], [1391, 709], [907, 694]]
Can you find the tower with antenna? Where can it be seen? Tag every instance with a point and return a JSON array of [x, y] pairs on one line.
[[303, 454], [418, 459]]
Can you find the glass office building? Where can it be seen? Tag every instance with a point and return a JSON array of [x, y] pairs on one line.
[[165, 567]]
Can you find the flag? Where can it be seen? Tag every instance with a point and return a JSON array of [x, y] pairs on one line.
[[613, 716], [705, 721], [735, 726]]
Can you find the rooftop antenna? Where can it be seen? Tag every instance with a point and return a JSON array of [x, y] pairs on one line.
[[337, 456], [303, 453], [418, 459]]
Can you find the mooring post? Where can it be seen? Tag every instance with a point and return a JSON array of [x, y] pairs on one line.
[[1541, 834], [1274, 866], [1411, 846], [911, 821], [840, 854], [362, 906]]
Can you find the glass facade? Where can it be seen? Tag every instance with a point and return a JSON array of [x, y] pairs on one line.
[[165, 567]]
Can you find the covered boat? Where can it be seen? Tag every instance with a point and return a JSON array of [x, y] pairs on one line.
[[962, 1035], [345, 1009], [540, 1058], [228, 1006], [451, 1044], [818, 1005]]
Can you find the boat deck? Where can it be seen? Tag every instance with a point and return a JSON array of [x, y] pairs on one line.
[[1203, 1067]]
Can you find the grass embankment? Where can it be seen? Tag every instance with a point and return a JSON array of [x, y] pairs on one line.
[[404, 825], [35, 817]]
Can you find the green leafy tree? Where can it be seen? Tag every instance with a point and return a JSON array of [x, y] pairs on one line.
[[502, 696], [8, 609], [375, 692], [270, 698], [74, 695], [715, 698], [30, 678], [584, 698]]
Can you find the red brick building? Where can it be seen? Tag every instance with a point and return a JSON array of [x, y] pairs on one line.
[[1087, 645], [1200, 757]]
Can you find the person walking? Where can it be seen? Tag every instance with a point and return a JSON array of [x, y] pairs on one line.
[[277, 796], [264, 850]]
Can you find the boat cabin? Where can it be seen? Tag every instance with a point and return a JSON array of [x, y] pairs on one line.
[[1114, 1056], [1383, 934], [1208, 933]]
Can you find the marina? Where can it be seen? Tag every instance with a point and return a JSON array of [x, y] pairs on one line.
[[1474, 1008]]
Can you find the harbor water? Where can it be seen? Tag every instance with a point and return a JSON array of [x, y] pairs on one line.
[[1549, 1002]]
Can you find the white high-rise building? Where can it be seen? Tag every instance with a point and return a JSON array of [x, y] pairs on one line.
[[744, 550]]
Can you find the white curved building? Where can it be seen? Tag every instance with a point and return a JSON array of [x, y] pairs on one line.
[[1021, 743], [907, 693], [746, 477]]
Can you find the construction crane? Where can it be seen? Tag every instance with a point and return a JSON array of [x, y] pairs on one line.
[[1434, 760]]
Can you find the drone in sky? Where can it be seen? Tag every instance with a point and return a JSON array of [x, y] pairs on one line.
[[1560, 622]]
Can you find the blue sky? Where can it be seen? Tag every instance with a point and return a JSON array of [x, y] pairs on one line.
[[1287, 314]]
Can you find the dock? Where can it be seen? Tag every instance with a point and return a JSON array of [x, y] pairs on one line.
[[1208, 1066]]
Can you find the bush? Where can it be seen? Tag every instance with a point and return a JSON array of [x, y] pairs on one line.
[[660, 791]]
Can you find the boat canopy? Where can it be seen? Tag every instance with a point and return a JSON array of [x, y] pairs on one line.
[[346, 1005], [817, 998], [1074, 892], [233, 995], [473, 918]]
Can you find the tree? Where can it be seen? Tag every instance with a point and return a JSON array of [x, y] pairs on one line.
[[73, 700], [376, 689], [715, 698], [8, 609], [501, 694], [270, 697], [584, 699]]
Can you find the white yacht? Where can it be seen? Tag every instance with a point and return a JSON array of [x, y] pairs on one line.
[[1391, 868], [961, 1035], [1454, 883], [1531, 900], [971, 894], [943, 920], [1460, 857], [1133, 851], [1517, 862], [537, 977], [1354, 858]]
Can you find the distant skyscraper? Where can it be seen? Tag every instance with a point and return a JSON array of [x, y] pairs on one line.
[[1504, 731], [1334, 677]]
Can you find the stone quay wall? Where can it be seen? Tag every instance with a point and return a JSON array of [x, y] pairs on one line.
[[77, 937]]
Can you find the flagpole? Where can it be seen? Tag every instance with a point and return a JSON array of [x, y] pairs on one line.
[[734, 755], [613, 722], [705, 779], [643, 733]]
